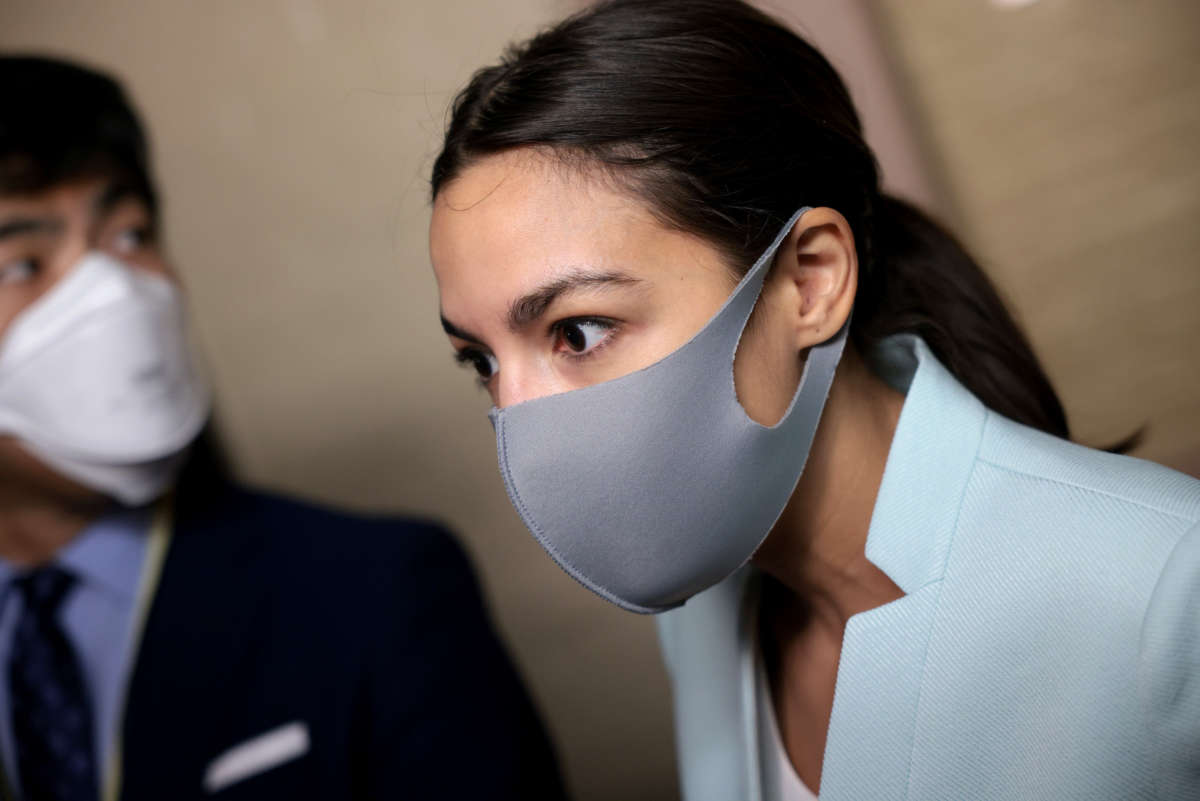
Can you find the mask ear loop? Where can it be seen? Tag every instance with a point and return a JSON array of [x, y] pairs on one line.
[[757, 274], [825, 355], [822, 358]]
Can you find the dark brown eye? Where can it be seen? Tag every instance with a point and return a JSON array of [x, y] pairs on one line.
[[574, 337], [581, 336]]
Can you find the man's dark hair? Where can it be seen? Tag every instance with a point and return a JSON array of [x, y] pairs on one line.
[[63, 122]]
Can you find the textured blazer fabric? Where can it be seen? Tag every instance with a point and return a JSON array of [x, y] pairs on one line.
[[1047, 647]]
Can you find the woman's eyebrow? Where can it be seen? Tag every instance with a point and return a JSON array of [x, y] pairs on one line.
[[532, 305]]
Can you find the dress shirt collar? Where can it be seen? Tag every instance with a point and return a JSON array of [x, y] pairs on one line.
[[106, 555]]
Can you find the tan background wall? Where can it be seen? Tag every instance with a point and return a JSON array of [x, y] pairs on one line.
[[294, 137], [1069, 135]]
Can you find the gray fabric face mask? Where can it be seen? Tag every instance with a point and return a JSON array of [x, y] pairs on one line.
[[652, 487]]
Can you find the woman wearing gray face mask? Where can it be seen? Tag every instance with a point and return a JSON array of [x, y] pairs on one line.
[[1003, 614]]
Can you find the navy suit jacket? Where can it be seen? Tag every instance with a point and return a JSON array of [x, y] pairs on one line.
[[369, 633]]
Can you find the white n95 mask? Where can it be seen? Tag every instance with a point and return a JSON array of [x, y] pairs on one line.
[[655, 486], [97, 380]]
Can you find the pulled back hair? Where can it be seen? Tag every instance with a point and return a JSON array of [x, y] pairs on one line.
[[63, 122], [724, 122]]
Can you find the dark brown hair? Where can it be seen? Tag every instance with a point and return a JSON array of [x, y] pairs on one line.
[[724, 122], [61, 121]]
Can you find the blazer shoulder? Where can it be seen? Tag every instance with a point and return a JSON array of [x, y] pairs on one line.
[[1019, 449], [1168, 666]]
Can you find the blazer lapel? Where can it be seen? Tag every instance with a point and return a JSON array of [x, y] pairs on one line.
[[706, 645], [871, 733], [869, 745]]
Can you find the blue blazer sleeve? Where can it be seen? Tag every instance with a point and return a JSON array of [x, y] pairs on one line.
[[1169, 672]]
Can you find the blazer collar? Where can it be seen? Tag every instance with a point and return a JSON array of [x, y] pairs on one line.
[[934, 448], [108, 554], [869, 746]]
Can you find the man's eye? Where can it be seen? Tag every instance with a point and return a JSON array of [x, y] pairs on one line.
[[131, 240], [484, 363], [17, 272], [581, 336]]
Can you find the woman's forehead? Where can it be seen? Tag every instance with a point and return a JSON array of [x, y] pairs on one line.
[[525, 200], [512, 222], [515, 218]]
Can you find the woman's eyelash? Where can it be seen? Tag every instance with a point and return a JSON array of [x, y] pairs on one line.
[[473, 358]]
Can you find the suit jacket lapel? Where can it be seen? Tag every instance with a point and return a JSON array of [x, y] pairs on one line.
[[198, 629]]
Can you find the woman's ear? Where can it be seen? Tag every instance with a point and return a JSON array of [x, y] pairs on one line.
[[816, 276]]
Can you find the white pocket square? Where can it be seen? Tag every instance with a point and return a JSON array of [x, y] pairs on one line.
[[258, 754]]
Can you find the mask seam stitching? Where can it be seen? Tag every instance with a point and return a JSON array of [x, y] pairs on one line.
[[568, 567]]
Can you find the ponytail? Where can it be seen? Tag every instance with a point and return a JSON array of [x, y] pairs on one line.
[[923, 281]]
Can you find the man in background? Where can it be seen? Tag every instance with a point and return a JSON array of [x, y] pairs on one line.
[[164, 633]]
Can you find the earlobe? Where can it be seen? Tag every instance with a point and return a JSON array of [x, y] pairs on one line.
[[819, 265]]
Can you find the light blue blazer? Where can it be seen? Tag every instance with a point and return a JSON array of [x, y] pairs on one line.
[[1047, 647]]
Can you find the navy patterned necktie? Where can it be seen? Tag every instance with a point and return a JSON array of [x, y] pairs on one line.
[[51, 716]]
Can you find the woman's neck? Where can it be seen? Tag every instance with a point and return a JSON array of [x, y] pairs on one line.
[[817, 548]]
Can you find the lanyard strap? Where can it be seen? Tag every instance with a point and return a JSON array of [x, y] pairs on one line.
[[156, 553]]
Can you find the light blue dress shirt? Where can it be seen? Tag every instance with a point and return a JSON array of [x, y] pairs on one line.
[[106, 559], [1047, 646]]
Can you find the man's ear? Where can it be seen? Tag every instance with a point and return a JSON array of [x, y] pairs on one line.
[[816, 276]]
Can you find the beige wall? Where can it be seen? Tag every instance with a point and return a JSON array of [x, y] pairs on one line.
[[1069, 134], [294, 138]]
